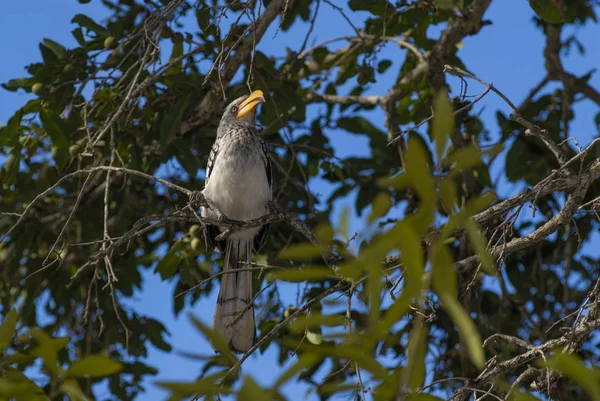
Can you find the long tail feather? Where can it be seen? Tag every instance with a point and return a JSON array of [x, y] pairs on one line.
[[234, 314]]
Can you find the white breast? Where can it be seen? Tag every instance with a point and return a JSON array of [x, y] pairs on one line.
[[239, 187]]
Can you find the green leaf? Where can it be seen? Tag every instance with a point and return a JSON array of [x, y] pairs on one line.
[[548, 10], [464, 158], [18, 83], [423, 397], [446, 4], [376, 7], [383, 66], [32, 392], [90, 24], [381, 206], [54, 127], [365, 360], [314, 335], [94, 366], [418, 171], [443, 122], [301, 251], [12, 164], [480, 246], [251, 391], [168, 265], [217, 342], [47, 348], [7, 330], [206, 385], [71, 387], [305, 361], [295, 274], [417, 351], [448, 193], [175, 53], [171, 122], [345, 222], [466, 327], [316, 320], [11, 389], [10, 133], [359, 125], [444, 276], [56, 48], [572, 367]]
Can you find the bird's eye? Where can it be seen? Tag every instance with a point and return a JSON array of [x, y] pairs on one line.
[[234, 109]]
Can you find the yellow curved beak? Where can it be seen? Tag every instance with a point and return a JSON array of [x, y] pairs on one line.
[[249, 105]]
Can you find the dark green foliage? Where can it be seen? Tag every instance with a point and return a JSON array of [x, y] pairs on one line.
[[412, 310]]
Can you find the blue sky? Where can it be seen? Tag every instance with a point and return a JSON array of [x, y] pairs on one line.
[[507, 54]]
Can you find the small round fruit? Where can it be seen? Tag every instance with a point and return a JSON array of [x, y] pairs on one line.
[[37, 88], [289, 311], [110, 42], [74, 150]]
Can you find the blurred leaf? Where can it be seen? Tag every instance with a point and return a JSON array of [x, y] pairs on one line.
[[31, 391], [572, 367], [464, 158], [448, 193], [7, 329], [171, 122], [56, 48], [443, 121], [175, 53], [417, 169], [55, 128], [316, 320], [466, 327], [305, 361], [94, 366], [205, 386], [216, 341], [548, 10], [417, 351], [480, 246], [251, 391], [446, 4], [444, 276], [381, 205], [302, 274], [301, 251], [10, 133], [47, 348], [90, 24], [422, 397], [314, 335], [344, 222], [168, 265], [12, 164], [71, 387]]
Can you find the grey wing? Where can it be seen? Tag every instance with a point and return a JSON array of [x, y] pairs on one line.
[[267, 162], [212, 158], [211, 232], [261, 238]]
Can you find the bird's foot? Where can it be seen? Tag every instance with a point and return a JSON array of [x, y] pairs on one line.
[[197, 198]]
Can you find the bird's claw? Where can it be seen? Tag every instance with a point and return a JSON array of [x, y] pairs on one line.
[[197, 198]]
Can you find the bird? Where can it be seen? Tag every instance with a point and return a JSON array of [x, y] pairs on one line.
[[239, 183]]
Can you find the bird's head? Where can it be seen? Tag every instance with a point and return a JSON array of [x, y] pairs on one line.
[[244, 108]]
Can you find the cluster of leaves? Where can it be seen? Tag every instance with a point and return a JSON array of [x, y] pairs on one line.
[[107, 102], [34, 345]]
